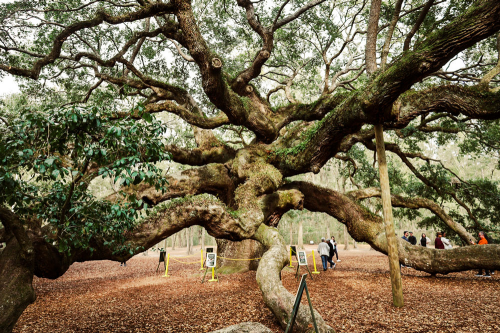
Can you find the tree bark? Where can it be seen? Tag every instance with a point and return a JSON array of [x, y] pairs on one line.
[[16, 277], [244, 250], [276, 297]]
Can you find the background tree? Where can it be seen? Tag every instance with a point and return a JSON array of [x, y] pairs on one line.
[[245, 95]]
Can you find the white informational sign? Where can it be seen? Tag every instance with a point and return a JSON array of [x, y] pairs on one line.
[[211, 260], [302, 258]]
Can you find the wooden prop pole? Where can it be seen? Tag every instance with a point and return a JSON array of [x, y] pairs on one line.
[[392, 242]]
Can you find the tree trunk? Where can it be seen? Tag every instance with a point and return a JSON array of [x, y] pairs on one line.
[[346, 239], [16, 277], [247, 249], [328, 233], [276, 297], [202, 242], [392, 244], [174, 239], [300, 237], [291, 232], [189, 240], [354, 244]]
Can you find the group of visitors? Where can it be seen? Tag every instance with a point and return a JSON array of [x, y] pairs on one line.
[[326, 249], [443, 243]]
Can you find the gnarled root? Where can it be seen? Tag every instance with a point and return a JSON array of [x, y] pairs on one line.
[[276, 297]]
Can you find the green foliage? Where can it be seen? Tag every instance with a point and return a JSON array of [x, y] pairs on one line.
[[49, 156]]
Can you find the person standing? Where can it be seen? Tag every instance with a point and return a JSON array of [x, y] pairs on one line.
[[424, 241], [324, 252], [438, 243], [334, 243], [446, 242], [412, 239], [330, 256], [405, 236], [483, 241]]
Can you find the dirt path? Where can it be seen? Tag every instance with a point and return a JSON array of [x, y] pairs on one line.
[[355, 297]]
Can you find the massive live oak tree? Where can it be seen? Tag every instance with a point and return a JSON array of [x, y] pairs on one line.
[[247, 95]]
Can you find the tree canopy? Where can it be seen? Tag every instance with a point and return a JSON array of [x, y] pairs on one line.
[[247, 96]]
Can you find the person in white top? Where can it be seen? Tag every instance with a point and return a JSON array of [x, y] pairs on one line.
[[446, 242]]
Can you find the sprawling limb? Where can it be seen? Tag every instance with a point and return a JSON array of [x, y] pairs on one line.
[[365, 226], [375, 102], [416, 203], [276, 297]]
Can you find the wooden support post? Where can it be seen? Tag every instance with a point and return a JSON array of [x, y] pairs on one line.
[[392, 242]]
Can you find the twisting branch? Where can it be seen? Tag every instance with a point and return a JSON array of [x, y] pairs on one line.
[[485, 81], [390, 31], [417, 24], [403, 156], [416, 203], [100, 17]]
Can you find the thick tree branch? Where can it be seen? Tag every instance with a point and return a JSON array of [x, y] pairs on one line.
[[364, 226], [416, 203]]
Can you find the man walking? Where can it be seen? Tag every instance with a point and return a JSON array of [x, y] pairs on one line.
[[324, 252]]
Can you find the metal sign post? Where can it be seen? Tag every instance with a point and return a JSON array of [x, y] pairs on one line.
[[298, 297]]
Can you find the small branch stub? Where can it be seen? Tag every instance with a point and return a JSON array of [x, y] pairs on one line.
[[216, 63], [265, 54], [249, 89]]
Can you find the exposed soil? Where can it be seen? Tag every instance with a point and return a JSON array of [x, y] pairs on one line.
[[101, 296]]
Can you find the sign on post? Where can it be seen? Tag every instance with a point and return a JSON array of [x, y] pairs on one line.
[[211, 259], [163, 255], [302, 258]]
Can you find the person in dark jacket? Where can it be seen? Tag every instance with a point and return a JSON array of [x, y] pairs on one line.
[[332, 251], [412, 239], [438, 243], [405, 236]]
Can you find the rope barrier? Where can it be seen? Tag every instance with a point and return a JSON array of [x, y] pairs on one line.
[[201, 261], [187, 263], [190, 256]]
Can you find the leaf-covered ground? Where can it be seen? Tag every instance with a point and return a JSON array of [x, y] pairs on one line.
[[355, 297]]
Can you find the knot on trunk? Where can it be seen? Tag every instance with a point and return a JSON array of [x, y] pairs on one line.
[[249, 89], [216, 63], [265, 54]]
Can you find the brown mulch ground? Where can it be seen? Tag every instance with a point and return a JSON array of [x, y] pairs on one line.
[[355, 297]]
